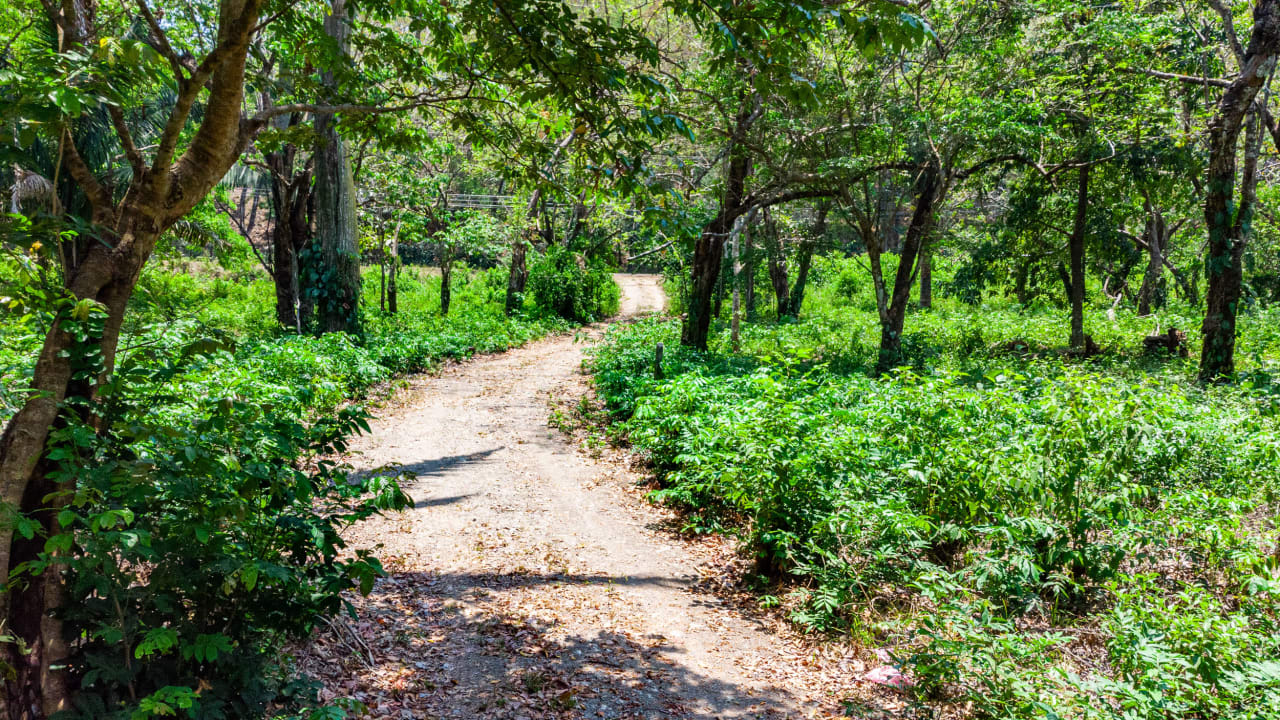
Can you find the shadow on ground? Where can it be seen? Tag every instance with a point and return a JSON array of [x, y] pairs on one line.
[[476, 646], [414, 473], [450, 463]]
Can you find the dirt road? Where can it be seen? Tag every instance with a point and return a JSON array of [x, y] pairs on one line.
[[528, 580]]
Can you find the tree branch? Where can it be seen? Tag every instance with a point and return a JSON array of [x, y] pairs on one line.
[[234, 36], [1190, 79], [98, 196], [647, 253], [981, 165], [321, 109], [1229, 28], [126, 140], [162, 42]]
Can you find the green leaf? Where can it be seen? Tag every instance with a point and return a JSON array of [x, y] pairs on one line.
[[208, 647], [156, 641], [26, 527], [249, 575]]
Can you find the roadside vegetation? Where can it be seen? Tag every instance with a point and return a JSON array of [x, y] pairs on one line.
[[1028, 534], [212, 485]]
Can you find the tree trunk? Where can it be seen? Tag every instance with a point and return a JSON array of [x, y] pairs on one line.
[[1077, 258], [288, 237], [518, 275], [887, 213], [393, 275], [930, 187], [781, 286], [1228, 225], [107, 275], [1064, 276], [708, 255], [36, 685], [926, 278], [446, 274], [284, 271], [778, 272], [339, 309], [1151, 292], [805, 260], [749, 272], [735, 318], [1021, 276], [290, 234], [718, 305], [708, 251]]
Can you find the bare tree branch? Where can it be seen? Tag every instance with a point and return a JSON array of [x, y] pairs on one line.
[[1190, 79]]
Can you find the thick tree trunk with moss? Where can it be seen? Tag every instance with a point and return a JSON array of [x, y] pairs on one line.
[[338, 304], [1228, 224], [338, 308]]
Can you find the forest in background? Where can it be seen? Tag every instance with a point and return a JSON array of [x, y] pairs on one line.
[[973, 349]]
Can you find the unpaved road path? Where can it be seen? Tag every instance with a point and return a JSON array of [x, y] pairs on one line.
[[529, 580]]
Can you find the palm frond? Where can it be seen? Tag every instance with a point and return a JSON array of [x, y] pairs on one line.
[[29, 188]]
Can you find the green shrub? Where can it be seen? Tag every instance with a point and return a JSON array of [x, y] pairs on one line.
[[978, 509], [561, 282], [205, 529]]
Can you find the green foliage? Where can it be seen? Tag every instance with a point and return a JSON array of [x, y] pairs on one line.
[[205, 529], [205, 526], [563, 283], [992, 492]]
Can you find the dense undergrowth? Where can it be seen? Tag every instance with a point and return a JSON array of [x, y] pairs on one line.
[[1030, 535], [205, 528]]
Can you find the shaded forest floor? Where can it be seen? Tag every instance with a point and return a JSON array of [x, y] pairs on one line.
[[531, 579]]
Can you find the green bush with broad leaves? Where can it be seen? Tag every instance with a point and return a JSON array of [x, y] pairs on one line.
[[205, 529], [566, 284]]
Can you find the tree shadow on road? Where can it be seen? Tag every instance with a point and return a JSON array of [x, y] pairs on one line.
[[413, 474], [439, 467], [478, 645]]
